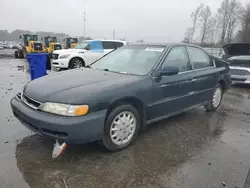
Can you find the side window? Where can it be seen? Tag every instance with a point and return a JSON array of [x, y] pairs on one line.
[[199, 58], [178, 57], [108, 45], [118, 44], [95, 46]]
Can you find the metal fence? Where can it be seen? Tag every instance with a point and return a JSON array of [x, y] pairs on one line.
[[217, 52]]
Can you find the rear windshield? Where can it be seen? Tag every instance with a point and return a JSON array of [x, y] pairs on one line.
[[137, 60]]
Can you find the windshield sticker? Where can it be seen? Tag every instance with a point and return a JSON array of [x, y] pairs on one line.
[[152, 49]]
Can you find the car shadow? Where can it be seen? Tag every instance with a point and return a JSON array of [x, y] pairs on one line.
[[160, 149]]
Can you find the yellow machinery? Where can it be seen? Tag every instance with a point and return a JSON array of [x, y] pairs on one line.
[[70, 42], [30, 45], [51, 45]]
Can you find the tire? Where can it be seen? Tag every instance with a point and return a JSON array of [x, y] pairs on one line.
[[111, 143], [76, 62], [48, 63], [16, 54], [214, 103], [21, 55]]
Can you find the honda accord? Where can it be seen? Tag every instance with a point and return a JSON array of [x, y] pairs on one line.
[[116, 96]]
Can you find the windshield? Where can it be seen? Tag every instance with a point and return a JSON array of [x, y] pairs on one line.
[[82, 45], [31, 37], [137, 60]]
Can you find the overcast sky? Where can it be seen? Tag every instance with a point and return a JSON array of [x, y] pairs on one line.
[[152, 20]]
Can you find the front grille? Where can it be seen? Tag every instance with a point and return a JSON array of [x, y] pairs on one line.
[[240, 72], [55, 56], [57, 46], [30, 102], [38, 46]]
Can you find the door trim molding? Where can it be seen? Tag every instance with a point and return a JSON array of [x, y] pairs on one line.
[[179, 97], [174, 113]]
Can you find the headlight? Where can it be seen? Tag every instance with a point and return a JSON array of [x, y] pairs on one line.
[[64, 56], [64, 109]]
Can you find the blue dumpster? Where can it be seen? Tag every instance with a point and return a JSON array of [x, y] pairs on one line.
[[37, 64]]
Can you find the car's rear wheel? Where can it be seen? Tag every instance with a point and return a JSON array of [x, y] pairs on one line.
[[121, 127], [76, 62], [215, 102]]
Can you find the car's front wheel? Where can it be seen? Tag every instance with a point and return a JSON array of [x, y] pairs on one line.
[[121, 127], [215, 102], [76, 62]]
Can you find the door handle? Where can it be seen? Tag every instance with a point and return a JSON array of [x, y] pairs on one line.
[[193, 79]]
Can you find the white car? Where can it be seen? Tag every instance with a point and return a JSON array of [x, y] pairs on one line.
[[84, 53], [238, 59]]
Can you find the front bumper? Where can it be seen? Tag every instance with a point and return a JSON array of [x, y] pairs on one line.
[[237, 78], [73, 130], [60, 63]]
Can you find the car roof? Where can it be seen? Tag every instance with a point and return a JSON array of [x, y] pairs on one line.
[[163, 44], [105, 40]]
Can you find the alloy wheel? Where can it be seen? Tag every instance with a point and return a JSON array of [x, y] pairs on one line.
[[77, 63]]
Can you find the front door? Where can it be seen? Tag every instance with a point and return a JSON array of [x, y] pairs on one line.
[[173, 93]]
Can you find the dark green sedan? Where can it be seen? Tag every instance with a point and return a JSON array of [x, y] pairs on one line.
[[113, 98]]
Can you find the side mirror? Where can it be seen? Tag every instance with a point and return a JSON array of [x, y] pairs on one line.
[[20, 37], [41, 38], [169, 71]]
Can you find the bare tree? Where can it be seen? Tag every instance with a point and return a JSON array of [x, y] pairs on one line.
[[228, 17], [195, 17], [206, 14], [246, 24], [187, 38], [223, 19], [212, 30], [235, 10]]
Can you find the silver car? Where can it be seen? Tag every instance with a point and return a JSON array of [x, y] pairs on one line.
[[237, 55]]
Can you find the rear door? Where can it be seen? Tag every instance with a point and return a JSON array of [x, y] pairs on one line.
[[172, 93], [205, 74]]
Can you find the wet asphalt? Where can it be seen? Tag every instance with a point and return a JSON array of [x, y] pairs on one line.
[[196, 149]]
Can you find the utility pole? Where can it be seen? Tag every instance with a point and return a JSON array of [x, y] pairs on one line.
[[84, 18], [113, 34]]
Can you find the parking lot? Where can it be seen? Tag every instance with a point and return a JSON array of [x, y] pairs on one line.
[[196, 149]]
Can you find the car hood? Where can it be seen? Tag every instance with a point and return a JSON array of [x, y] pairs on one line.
[[68, 51], [78, 82], [237, 49], [240, 58]]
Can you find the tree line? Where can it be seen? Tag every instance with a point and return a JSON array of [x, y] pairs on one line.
[[231, 23]]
